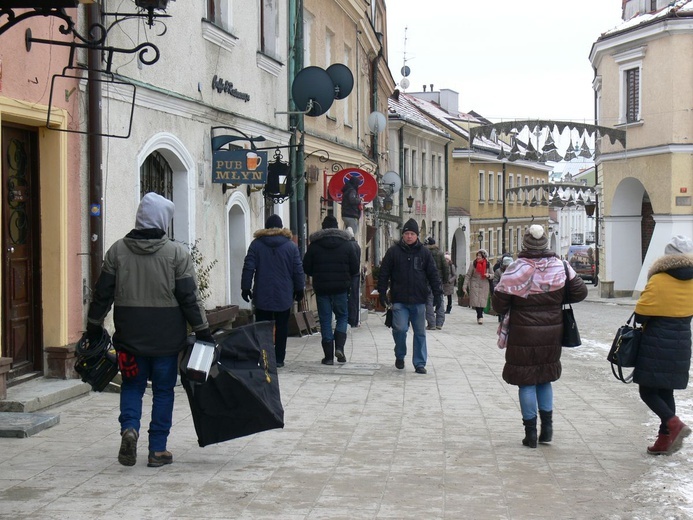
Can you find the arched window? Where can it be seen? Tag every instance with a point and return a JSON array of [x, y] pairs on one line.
[[156, 175]]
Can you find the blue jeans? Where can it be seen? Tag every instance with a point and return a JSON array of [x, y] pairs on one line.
[[327, 305], [402, 315], [162, 372], [435, 316], [533, 395]]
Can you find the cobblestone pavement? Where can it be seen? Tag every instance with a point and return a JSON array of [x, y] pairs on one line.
[[364, 440]]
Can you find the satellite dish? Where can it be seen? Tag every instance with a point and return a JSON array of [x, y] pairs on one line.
[[376, 122], [315, 85], [391, 179], [405, 71], [404, 83], [342, 78]]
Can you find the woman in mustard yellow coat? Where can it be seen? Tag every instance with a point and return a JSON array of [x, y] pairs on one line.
[[665, 308]]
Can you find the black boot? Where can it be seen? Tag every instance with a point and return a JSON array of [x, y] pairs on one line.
[[546, 433], [530, 439], [339, 342], [328, 349]]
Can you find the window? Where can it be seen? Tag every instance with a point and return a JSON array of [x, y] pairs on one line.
[[346, 102], [499, 243], [632, 95], [405, 168], [424, 176], [269, 27], [511, 241], [490, 186], [510, 185], [157, 175], [328, 61], [308, 19], [499, 184], [440, 171], [219, 13], [414, 159], [482, 185]]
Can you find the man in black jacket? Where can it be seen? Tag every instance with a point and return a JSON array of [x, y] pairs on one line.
[[351, 203], [410, 271], [331, 261]]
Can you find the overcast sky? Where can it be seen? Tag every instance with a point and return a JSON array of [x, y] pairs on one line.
[[507, 59]]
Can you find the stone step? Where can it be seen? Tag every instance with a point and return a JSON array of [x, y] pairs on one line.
[[41, 393]]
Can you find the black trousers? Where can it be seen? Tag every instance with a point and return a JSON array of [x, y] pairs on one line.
[[354, 304], [661, 402], [281, 329]]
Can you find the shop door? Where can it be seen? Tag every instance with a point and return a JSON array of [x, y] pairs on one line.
[[21, 335]]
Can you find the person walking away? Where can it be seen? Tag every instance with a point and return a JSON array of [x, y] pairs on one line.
[[273, 278], [355, 290], [351, 203], [476, 284], [331, 261], [665, 308], [450, 283], [410, 272], [150, 281], [497, 273], [531, 292], [435, 314]]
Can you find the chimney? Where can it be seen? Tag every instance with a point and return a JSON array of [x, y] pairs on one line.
[[431, 87], [424, 88]]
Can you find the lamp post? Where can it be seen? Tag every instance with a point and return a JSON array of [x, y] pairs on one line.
[[592, 210]]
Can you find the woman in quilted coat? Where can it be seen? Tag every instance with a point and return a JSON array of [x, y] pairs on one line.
[[665, 308], [530, 293]]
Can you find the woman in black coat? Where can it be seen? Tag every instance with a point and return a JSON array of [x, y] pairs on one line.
[[665, 308]]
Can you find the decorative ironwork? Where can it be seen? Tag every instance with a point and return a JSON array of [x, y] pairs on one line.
[[157, 175], [277, 189]]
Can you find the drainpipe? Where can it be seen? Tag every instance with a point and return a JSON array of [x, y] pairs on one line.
[[375, 139], [298, 203], [95, 153], [447, 198]]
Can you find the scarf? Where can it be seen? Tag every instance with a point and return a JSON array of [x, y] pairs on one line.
[[481, 267], [527, 276]]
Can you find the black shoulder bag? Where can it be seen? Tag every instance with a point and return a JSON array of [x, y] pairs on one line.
[[624, 349], [571, 335]]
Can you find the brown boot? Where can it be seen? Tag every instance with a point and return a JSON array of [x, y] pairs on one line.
[[661, 445], [677, 432]]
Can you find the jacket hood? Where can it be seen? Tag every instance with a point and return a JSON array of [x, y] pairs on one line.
[[335, 236], [144, 246], [678, 266], [272, 232], [154, 212]]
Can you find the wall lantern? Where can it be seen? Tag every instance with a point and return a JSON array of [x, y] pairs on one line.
[[149, 6], [410, 202], [387, 203]]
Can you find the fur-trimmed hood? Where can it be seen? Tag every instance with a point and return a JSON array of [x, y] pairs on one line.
[[271, 232], [329, 232], [678, 266]]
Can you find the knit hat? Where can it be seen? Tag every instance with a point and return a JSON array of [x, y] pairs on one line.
[[274, 221], [329, 222], [154, 212], [430, 241], [507, 260], [679, 245], [535, 239], [411, 225]]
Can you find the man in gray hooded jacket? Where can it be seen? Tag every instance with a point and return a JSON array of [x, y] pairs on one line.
[[150, 281]]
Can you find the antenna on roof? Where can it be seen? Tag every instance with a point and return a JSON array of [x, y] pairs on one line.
[[404, 82]]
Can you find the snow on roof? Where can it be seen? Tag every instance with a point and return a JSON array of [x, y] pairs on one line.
[[673, 10], [402, 107]]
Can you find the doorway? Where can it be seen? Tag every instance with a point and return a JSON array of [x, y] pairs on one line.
[[21, 309]]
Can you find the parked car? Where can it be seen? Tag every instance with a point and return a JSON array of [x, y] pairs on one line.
[[582, 260]]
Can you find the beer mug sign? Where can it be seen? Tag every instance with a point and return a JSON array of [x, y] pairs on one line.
[[252, 161]]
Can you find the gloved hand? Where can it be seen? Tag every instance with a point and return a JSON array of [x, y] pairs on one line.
[[205, 335], [298, 295], [384, 301], [94, 332], [247, 294], [127, 365], [437, 300]]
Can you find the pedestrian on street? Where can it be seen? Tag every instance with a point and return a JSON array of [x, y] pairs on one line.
[[435, 314], [531, 293], [355, 290], [332, 263], [497, 273], [450, 283], [476, 284], [273, 278], [351, 203], [665, 308], [150, 281], [409, 270]]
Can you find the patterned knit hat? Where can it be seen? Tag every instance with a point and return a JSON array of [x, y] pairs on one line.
[[535, 239]]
